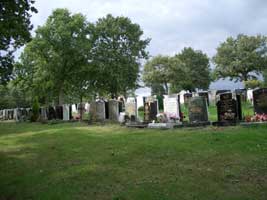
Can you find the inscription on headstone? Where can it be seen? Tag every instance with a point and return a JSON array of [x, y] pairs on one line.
[[171, 106], [227, 108], [198, 111]]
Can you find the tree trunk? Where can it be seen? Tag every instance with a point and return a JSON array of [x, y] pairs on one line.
[[166, 88]]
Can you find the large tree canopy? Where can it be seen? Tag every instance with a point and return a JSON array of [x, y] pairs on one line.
[[196, 70], [117, 52], [57, 56], [15, 29], [187, 70], [241, 58], [157, 72]]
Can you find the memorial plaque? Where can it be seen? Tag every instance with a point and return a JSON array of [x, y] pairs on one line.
[[260, 100], [198, 111], [227, 108], [113, 111], [206, 95], [171, 106]]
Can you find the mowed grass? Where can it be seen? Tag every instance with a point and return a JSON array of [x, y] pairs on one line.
[[77, 161]]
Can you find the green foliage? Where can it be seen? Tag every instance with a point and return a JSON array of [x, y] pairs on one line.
[[56, 60], [265, 77], [35, 110], [12, 97], [187, 70], [15, 29], [252, 84], [238, 57], [118, 49], [156, 73]]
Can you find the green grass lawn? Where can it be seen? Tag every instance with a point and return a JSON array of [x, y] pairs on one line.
[[77, 161]]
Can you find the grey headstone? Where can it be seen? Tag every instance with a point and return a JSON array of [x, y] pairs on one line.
[[171, 106], [198, 111], [113, 106]]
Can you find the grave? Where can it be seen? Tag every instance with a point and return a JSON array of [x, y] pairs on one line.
[[59, 112], [206, 95], [242, 93], [198, 111], [97, 111], [150, 109], [226, 110], [260, 101], [51, 113], [66, 112], [113, 110], [43, 113], [172, 107], [131, 109]]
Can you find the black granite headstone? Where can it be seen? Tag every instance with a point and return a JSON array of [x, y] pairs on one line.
[[260, 101], [227, 108], [51, 113], [150, 111], [239, 106]]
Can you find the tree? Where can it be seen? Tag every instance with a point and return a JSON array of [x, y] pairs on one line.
[[117, 52], [240, 58], [58, 56], [15, 29], [157, 72], [194, 71], [265, 77]]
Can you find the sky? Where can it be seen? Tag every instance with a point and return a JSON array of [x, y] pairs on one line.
[[174, 24]]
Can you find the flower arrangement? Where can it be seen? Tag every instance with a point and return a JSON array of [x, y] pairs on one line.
[[256, 118]]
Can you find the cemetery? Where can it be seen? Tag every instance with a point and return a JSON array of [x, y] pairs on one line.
[[129, 100]]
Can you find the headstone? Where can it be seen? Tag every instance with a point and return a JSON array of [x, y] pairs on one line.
[[206, 95], [113, 106], [239, 106], [227, 108], [260, 100], [70, 112], [106, 110], [44, 113], [150, 109], [198, 111], [187, 97], [51, 113], [131, 108], [171, 106], [59, 112], [97, 111], [66, 112]]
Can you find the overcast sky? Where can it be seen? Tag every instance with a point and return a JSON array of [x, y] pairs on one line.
[[173, 24]]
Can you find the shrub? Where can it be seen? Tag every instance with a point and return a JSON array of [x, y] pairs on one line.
[[35, 110]]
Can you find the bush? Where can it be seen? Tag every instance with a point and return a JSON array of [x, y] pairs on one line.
[[141, 108], [252, 84], [35, 110]]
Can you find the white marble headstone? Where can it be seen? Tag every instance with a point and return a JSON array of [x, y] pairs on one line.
[[171, 106]]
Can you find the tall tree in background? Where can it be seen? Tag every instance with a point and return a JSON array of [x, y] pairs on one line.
[[241, 58], [117, 51], [156, 74], [15, 29], [195, 70], [55, 56]]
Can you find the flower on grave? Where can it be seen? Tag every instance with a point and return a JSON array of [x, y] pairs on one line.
[[161, 117], [256, 118]]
